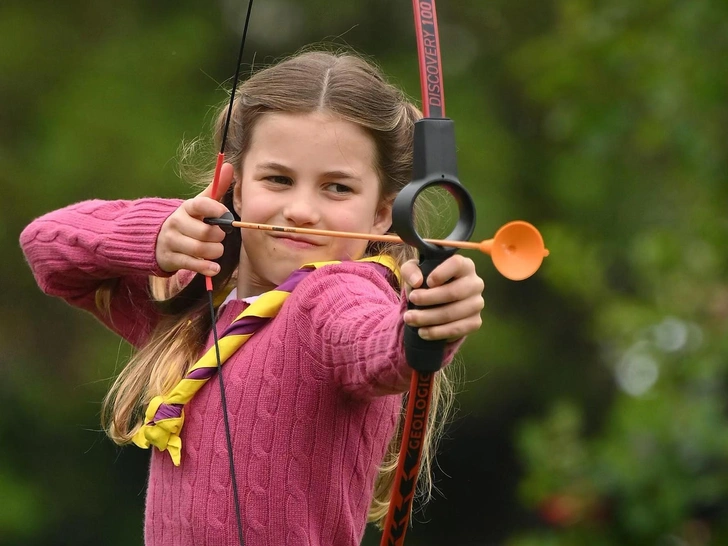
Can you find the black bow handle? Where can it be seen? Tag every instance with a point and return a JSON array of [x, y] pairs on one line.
[[434, 164]]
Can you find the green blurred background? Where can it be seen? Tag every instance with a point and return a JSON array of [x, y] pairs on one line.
[[593, 407]]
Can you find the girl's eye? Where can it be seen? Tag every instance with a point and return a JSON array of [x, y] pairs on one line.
[[277, 179], [339, 188]]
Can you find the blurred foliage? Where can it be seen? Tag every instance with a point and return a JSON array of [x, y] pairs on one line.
[[593, 408]]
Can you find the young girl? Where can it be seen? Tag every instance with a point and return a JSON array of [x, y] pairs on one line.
[[315, 394]]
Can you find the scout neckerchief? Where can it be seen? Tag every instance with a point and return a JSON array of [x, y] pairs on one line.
[[164, 417]]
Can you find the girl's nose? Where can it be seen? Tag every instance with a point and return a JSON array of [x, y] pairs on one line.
[[301, 210]]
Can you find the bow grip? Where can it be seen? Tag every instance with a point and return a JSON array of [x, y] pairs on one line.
[[423, 355], [434, 164]]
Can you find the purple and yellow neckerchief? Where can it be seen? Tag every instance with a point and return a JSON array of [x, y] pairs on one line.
[[164, 417]]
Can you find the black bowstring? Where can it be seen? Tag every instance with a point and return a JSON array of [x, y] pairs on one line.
[[236, 78], [223, 399]]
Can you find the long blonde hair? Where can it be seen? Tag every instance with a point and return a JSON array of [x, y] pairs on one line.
[[354, 90]]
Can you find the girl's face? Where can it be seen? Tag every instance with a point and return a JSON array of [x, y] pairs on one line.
[[312, 171]]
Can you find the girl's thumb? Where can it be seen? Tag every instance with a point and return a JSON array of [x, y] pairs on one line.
[[226, 178]]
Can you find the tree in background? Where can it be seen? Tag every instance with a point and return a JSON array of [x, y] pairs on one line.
[[633, 97]]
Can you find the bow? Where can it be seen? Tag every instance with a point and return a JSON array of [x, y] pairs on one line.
[[434, 164]]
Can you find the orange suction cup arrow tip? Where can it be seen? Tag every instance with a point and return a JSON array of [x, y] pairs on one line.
[[517, 250]]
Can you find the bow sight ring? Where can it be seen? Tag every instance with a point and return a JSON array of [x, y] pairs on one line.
[[434, 164]]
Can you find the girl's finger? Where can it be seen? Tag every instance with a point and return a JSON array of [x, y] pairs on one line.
[[411, 273], [456, 290], [194, 248], [445, 314], [453, 330], [203, 207], [200, 231], [205, 267], [455, 266]]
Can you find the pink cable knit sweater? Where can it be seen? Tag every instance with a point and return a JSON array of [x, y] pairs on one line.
[[313, 397]]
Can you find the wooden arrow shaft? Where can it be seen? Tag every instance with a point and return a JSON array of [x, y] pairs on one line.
[[468, 245]]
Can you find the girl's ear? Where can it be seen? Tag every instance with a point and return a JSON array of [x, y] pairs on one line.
[[383, 217], [236, 193]]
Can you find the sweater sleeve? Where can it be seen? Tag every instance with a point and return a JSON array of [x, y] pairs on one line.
[[351, 321], [74, 250]]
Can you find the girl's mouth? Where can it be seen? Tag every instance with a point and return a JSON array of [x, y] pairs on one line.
[[296, 241]]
